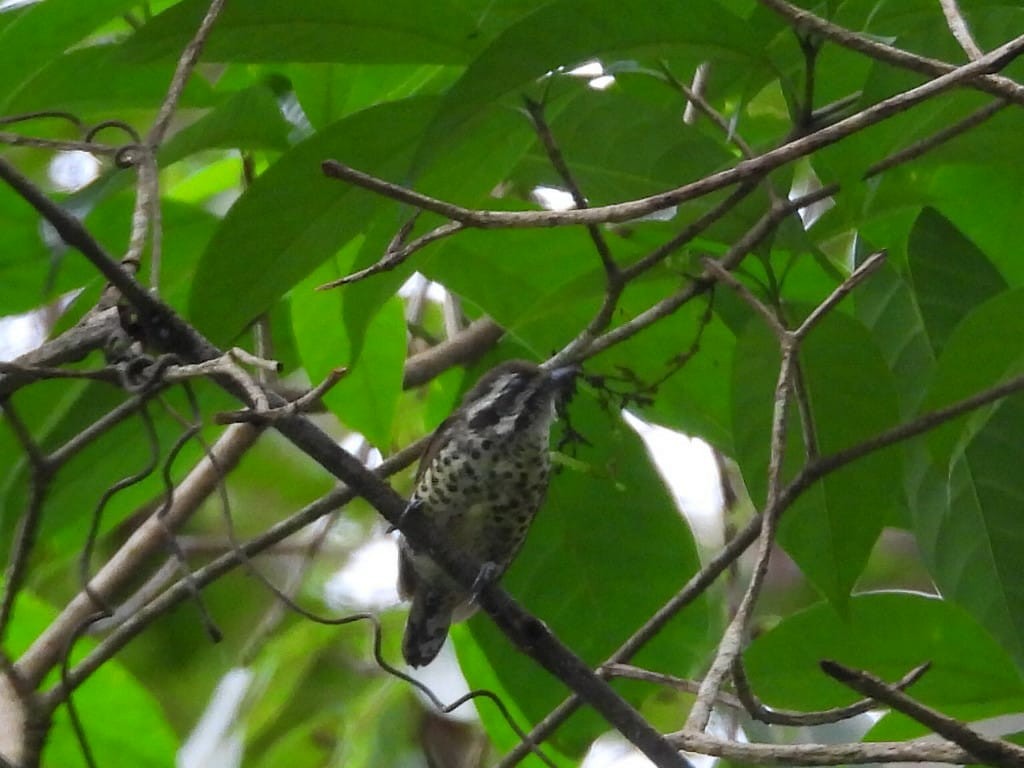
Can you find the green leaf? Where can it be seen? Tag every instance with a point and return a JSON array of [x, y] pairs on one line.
[[600, 522], [186, 230], [975, 358], [544, 285], [476, 160], [888, 634], [967, 492], [366, 31], [885, 304], [292, 218], [568, 32], [114, 707], [61, 412], [623, 143], [366, 398], [949, 274], [31, 273], [247, 119], [990, 215], [329, 92], [43, 32], [831, 529], [110, 89]]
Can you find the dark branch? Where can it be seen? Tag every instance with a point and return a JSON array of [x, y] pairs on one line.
[[989, 751]]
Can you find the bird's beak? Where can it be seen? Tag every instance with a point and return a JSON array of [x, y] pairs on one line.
[[564, 375]]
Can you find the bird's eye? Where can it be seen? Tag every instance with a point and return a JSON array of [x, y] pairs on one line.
[[485, 417]]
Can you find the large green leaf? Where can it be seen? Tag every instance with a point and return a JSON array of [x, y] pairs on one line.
[[967, 490], [45, 31], [832, 527], [885, 304], [292, 218], [568, 32], [949, 273], [365, 399], [543, 286], [110, 90], [364, 31], [34, 268], [114, 706], [475, 162], [72, 496], [888, 634], [624, 142], [974, 359], [990, 213], [612, 541], [329, 92], [247, 119], [963, 514], [31, 273]]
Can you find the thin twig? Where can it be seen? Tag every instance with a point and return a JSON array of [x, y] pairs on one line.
[[928, 143], [735, 634], [803, 406], [861, 273], [139, 549], [917, 751], [582, 345], [27, 374], [394, 257], [186, 63], [749, 240], [959, 29], [756, 709], [85, 556], [28, 524], [629, 672], [299, 405], [692, 230], [743, 170], [147, 197], [93, 148], [705, 108], [983, 80], [535, 110], [99, 427], [723, 275], [996, 752]]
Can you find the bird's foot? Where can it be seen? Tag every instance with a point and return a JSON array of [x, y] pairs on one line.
[[487, 575], [412, 508]]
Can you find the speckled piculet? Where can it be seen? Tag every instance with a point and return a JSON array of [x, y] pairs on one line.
[[481, 481]]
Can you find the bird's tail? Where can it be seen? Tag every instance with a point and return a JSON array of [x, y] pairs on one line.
[[429, 619]]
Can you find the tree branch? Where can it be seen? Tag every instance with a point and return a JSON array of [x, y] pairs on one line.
[[959, 29], [983, 79], [169, 332], [996, 752], [743, 170], [759, 711], [919, 751]]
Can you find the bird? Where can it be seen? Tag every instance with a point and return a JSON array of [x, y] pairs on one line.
[[481, 481]]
